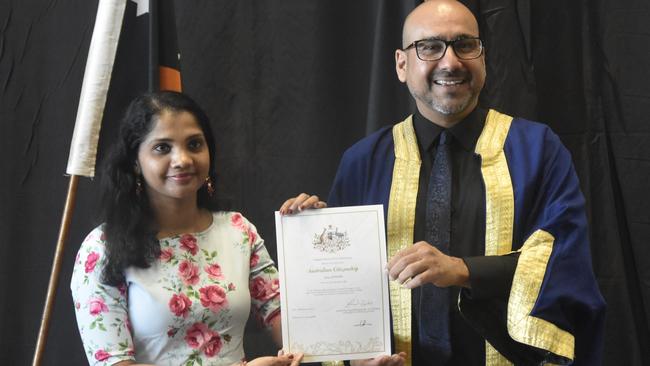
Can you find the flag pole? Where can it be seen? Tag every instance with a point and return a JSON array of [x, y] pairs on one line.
[[56, 269], [83, 148]]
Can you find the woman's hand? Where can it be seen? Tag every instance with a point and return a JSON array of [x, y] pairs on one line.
[[301, 202], [281, 360], [394, 360]]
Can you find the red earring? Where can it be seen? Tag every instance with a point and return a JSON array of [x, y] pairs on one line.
[[209, 186]]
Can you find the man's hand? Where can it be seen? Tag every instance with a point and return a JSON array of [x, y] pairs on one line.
[[301, 202], [394, 360], [423, 263]]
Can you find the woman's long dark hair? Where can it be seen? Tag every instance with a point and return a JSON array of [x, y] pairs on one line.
[[129, 226]]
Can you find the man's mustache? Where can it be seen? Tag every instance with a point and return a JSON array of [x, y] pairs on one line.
[[447, 74]]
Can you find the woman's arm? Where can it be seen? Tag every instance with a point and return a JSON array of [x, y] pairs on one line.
[[276, 330], [101, 310]]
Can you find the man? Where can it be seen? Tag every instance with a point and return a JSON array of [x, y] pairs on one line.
[[504, 258]]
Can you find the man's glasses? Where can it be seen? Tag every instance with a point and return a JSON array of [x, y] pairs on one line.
[[433, 49]]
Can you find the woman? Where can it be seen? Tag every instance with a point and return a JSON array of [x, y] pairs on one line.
[[167, 279]]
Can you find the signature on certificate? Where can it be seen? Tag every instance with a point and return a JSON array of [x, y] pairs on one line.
[[363, 323], [357, 302]]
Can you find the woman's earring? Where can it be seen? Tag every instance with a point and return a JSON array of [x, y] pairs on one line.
[[138, 186], [209, 186]]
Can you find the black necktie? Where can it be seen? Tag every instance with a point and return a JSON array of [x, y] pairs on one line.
[[434, 301]]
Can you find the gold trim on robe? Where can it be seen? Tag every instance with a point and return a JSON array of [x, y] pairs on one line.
[[333, 363], [499, 199], [500, 211], [534, 256], [499, 196], [401, 220], [526, 284]]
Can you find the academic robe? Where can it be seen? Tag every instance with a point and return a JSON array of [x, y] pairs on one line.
[[534, 205]]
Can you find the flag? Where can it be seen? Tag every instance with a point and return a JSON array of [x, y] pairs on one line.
[[166, 39], [94, 88], [134, 49]]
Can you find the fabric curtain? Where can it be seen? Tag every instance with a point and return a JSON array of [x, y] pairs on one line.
[[288, 86]]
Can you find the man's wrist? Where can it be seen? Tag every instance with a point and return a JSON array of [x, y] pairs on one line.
[[462, 273]]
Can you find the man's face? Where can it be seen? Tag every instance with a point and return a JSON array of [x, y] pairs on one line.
[[445, 90]]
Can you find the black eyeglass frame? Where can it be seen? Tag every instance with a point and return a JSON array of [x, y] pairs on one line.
[[447, 44]]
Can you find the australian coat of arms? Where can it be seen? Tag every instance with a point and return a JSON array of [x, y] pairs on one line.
[[331, 240]]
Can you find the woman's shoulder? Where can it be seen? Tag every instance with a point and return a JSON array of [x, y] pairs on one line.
[[93, 246], [229, 216], [231, 219], [95, 239], [89, 256]]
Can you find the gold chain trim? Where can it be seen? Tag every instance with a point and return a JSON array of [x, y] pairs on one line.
[[401, 219]]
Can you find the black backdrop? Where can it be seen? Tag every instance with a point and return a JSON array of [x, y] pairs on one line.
[[289, 85]]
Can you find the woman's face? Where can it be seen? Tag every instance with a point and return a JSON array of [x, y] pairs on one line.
[[173, 158]]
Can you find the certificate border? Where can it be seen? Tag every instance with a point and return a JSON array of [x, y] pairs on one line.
[[381, 240]]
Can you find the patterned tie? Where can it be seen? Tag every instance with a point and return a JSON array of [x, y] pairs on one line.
[[434, 301]]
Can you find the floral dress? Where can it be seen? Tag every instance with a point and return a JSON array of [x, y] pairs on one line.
[[189, 307]]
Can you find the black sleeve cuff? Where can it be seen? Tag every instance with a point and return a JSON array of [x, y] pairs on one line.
[[491, 276], [488, 317]]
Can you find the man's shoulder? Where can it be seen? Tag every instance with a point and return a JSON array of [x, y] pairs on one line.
[[529, 142], [370, 145], [533, 127], [529, 131], [519, 124]]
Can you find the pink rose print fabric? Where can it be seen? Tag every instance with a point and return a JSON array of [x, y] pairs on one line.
[[214, 272], [180, 305], [91, 261], [102, 355], [188, 272], [262, 289], [213, 297], [189, 307], [188, 243], [96, 306], [200, 337], [255, 259], [166, 254]]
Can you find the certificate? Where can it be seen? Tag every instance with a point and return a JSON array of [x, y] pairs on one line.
[[333, 283]]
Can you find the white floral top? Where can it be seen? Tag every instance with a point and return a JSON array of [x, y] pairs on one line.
[[189, 308]]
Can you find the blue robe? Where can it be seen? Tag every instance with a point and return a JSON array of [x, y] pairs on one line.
[[534, 206]]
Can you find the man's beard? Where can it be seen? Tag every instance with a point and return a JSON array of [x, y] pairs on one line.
[[449, 109], [449, 104], [440, 105]]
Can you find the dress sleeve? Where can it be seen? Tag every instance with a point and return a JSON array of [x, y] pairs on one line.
[[101, 310], [264, 284]]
